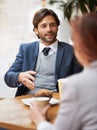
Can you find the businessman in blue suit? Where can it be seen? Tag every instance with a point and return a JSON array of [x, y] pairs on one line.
[[40, 64]]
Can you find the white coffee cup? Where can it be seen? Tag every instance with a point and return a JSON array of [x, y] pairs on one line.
[[60, 85], [42, 101]]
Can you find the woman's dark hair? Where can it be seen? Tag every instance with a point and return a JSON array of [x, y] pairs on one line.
[[39, 15], [86, 28]]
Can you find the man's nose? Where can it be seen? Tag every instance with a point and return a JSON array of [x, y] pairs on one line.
[[48, 27]]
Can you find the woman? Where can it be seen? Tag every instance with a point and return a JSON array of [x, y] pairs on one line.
[[78, 107]]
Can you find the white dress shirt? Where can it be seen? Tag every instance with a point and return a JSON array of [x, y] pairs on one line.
[[53, 47]]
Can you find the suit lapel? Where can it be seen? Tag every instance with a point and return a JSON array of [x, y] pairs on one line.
[[35, 55], [59, 57]]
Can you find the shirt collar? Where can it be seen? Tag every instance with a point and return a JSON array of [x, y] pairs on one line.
[[53, 46]]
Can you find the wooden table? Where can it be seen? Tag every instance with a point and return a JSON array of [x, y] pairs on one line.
[[14, 115]]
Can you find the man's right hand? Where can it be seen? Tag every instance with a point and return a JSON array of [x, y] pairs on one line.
[[27, 78]]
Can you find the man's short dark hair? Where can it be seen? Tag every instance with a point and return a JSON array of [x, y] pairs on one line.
[[39, 15]]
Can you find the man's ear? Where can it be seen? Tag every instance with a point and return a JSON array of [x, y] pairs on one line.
[[36, 31]]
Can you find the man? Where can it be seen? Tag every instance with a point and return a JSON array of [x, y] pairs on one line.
[[36, 68]]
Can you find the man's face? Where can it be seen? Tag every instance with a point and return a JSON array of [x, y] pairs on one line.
[[47, 30]]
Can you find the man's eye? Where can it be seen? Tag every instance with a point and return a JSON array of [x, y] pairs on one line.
[[43, 26], [53, 24]]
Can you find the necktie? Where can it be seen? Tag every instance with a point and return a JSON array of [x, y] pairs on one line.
[[46, 50]]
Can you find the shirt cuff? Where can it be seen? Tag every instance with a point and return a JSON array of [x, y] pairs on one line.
[[19, 84]]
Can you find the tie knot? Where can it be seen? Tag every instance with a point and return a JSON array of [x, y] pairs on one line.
[[46, 50]]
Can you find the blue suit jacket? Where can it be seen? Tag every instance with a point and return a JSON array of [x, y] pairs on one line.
[[66, 64]]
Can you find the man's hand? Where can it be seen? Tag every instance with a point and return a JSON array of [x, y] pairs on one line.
[[27, 78]]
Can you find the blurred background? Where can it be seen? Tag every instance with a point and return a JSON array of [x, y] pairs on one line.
[[16, 28]]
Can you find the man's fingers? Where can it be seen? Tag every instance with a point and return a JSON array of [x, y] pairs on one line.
[[30, 77], [31, 72], [28, 83]]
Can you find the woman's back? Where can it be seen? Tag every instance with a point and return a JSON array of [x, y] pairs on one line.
[[79, 103]]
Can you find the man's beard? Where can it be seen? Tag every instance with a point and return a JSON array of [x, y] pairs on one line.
[[48, 40]]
